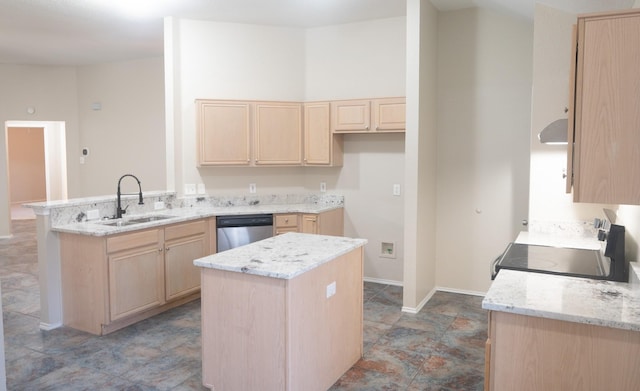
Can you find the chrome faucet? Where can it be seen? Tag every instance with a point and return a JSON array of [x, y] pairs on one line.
[[119, 211]]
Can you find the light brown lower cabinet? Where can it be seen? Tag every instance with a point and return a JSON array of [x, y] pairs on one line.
[[271, 334], [325, 223], [114, 281], [533, 353]]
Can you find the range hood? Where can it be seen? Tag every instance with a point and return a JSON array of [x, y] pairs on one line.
[[555, 132]]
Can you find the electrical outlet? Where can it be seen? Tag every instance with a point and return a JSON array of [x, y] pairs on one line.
[[189, 189], [93, 214], [396, 189], [323, 187], [201, 188], [158, 205], [331, 289], [252, 188]]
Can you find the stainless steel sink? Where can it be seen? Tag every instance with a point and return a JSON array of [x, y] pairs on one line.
[[135, 220]]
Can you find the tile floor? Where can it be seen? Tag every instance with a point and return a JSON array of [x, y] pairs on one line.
[[441, 348]]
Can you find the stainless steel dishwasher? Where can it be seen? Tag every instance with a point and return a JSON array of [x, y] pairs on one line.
[[236, 231]]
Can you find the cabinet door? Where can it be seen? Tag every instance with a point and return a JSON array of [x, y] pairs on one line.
[[136, 280], [606, 165], [351, 116], [309, 224], [278, 133], [389, 115], [224, 130], [317, 134], [184, 243], [182, 276]]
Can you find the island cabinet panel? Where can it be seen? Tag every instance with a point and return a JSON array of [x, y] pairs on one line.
[[532, 353], [243, 331], [271, 334], [325, 334]]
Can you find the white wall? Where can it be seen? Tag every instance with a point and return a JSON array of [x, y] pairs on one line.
[[52, 91], [484, 95], [420, 155], [356, 60], [362, 60], [551, 66], [126, 136], [238, 61]]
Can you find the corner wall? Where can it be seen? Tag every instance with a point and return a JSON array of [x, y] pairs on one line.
[[358, 60], [484, 107], [420, 155]]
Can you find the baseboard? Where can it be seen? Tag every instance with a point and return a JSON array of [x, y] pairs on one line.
[[382, 281], [412, 310], [49, 326], [424, 301], [461, 291]]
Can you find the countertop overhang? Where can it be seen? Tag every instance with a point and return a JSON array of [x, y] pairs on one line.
[[284, 256]]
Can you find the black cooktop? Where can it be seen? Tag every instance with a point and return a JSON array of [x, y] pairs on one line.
[[554, 260], [608, 265]]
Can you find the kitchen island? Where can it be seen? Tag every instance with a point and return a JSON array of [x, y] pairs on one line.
[[549, 332], [284, 313]]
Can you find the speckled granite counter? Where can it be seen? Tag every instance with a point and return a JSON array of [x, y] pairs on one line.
[[284, 256], [177, 215], [573, 299]]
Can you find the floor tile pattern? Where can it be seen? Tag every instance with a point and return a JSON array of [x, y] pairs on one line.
[[440, 348]]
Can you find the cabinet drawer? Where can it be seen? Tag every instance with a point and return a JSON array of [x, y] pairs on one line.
[[286, 220], [187, 229], [133, 240]]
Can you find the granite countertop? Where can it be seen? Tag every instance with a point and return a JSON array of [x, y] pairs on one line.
[[284, 256], [572, 299], [177, 215]]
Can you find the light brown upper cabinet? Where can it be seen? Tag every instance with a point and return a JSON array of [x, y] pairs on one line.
[[382, 115], [321, 147], [604, 163], [278, 133], [224, 131], [249, 133]]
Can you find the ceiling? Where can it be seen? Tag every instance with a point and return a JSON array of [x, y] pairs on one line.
[[81, 32]]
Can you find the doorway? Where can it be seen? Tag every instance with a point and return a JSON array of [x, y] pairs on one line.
[[37, 164]]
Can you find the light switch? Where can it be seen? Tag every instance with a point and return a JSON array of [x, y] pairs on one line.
[[396, 189]]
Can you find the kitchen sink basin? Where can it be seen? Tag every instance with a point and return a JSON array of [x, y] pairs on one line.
[[135, 220]]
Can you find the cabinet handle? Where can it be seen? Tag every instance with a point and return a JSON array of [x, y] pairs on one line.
[[377, 127], [160, 249], [167, 248], [286, 220], [366, 128]]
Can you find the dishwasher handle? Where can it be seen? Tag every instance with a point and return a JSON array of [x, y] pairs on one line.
[[244, 220]]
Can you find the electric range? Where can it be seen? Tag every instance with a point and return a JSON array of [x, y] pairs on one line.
[[609, 264]]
